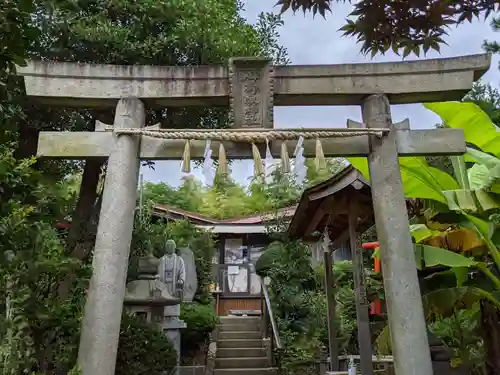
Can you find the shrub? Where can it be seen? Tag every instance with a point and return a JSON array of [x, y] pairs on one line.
[[269, 259], [143, 349], [200, 321], [299, 303]]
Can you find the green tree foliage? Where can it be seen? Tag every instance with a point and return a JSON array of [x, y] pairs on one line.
[[487, 98], [14, 20], [299, 302], [189, 196], [493, 46], [226, 199], [32, 258], [400, 25]]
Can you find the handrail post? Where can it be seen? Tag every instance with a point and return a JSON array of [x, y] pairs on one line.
[[264, 317], [267, 344], [271, 340], [279, 356]]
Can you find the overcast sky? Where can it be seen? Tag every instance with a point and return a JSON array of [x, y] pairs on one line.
[[317, 41]]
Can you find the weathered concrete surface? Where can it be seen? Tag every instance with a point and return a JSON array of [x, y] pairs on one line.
[[343, 84], [251, 96], [191, 283], [191, 370], [80, 145], [103, 309], [410, 346]]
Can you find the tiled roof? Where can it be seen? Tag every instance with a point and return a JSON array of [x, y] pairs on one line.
[[253, 219]]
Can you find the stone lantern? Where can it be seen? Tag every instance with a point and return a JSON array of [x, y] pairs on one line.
[[147, 296]]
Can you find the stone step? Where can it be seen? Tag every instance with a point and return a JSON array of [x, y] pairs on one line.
[[240, 352], [237, 312], [243, 326], [247, 371], [240, 324], [243, 362], [239, 343], [232, 319], [231, 335]]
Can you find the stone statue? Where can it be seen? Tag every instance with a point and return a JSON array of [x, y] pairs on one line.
[[191, 283], [172, 271]]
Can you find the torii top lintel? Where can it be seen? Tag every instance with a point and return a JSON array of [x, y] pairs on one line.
[[251, 87], [244, 79]]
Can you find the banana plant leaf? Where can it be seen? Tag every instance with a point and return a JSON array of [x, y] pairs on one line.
[[449, 278], [421, 232], [425, 182], [484, 231], [430, 256], [483, 158], [441, 302], [478, 128], [419, 179], [479, 176], [459, 240], [485, 174]]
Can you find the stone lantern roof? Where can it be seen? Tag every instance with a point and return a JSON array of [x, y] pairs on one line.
[[147, 290]]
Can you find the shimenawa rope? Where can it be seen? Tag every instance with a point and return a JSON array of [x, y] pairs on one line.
[[251, 136]]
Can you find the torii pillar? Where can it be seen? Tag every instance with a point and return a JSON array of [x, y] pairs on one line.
[[103, 309], [402, 291]]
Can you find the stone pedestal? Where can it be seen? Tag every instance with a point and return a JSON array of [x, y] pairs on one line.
[[172, 312], [172, 329]]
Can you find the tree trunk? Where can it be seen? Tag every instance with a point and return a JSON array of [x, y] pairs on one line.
[[28, 141], [81, 236], [490, 324], [84, 209]]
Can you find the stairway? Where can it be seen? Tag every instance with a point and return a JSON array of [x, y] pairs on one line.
[[240, 348]]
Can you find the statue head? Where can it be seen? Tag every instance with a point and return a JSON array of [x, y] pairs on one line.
[[170, 247]]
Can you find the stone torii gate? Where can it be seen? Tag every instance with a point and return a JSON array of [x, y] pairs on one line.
[[251, 87]]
